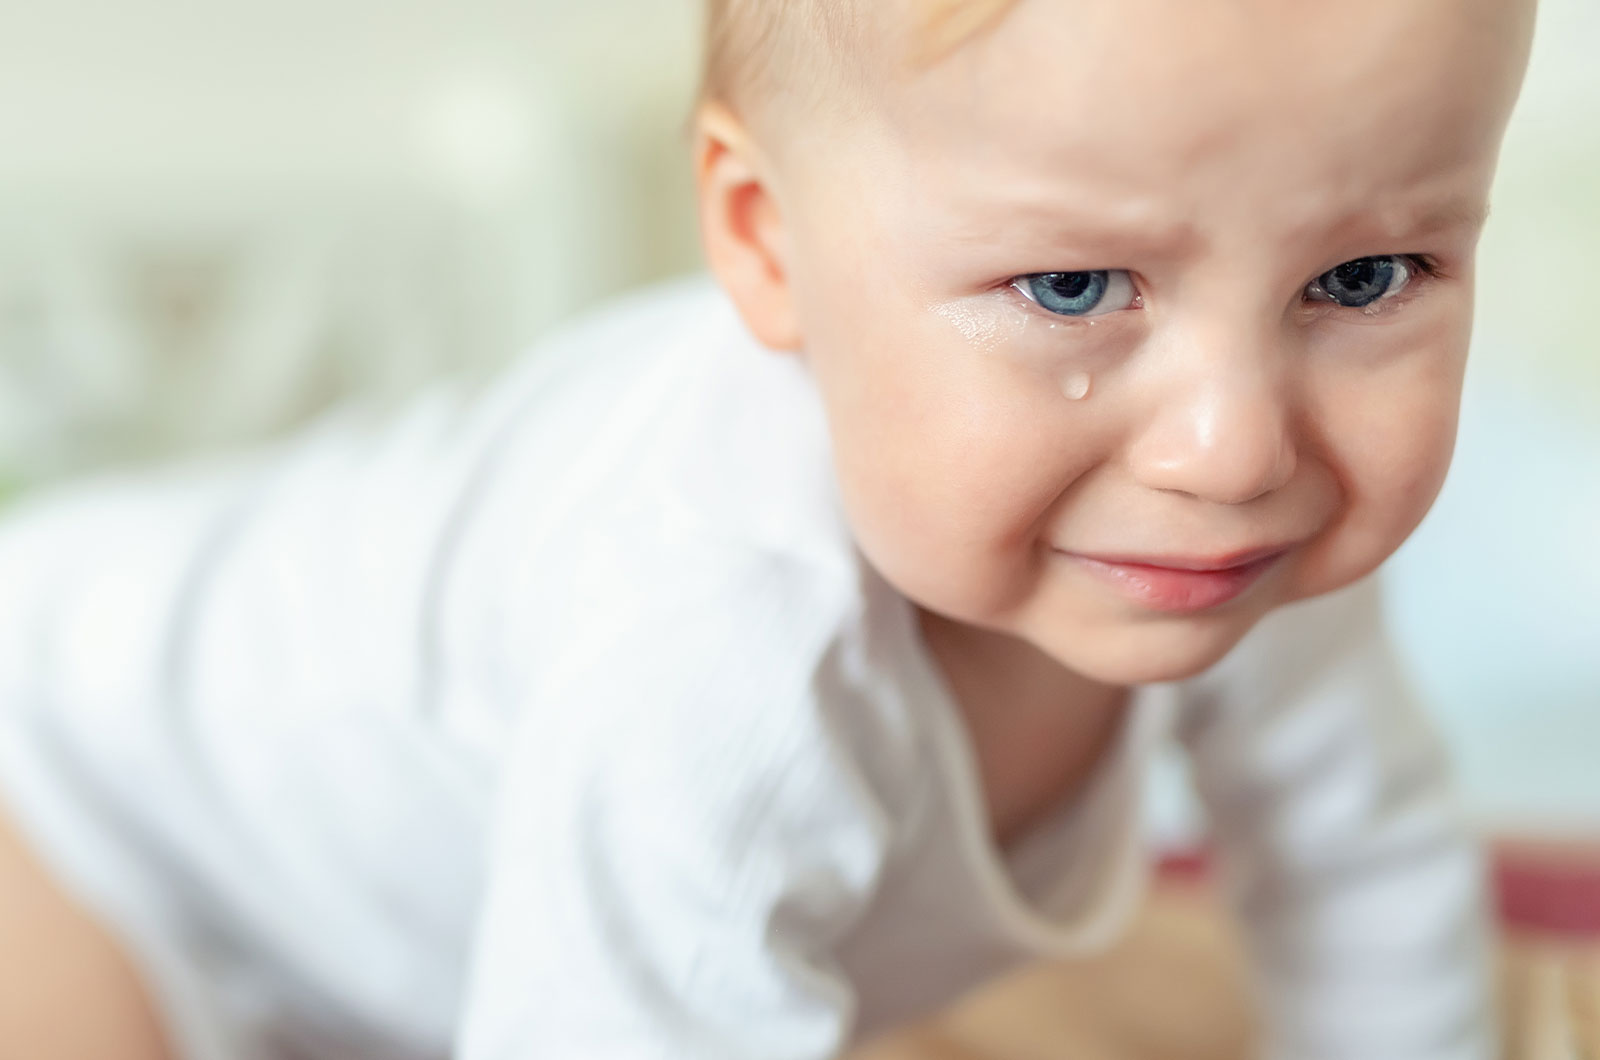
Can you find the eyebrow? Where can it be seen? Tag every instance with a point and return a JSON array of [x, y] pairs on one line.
[[1400, 224], [1090, 231], [1451, 215]]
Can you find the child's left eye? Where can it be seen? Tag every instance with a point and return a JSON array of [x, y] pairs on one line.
[[1365, 281], [1079, 294]]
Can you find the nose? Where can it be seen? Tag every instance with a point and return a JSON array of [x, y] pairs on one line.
[[1220, 432]]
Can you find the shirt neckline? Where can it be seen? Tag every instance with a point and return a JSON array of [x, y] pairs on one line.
[[1119, 887]]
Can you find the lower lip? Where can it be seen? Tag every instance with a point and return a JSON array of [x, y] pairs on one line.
[[1178, 591]]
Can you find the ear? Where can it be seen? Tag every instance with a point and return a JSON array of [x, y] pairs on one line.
[[741, 227]]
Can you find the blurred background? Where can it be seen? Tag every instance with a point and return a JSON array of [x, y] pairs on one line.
[[218, 218]]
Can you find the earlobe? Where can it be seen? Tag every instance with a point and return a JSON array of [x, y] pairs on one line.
[[742, 228]]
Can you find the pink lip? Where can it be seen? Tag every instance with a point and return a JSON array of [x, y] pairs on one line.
[[1182, 584]]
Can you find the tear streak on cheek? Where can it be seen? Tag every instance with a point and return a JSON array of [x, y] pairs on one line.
[[991, 327], [985, 324]]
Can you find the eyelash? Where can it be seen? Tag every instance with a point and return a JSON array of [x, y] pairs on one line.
[[1425, 266]]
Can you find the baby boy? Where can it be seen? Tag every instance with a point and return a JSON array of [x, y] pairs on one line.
[[759, 665]]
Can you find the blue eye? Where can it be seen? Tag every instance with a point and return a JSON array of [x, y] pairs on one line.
[[1079, 294], [1362, 282]]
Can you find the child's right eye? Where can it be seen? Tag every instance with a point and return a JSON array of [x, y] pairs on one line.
[[1079, 294]]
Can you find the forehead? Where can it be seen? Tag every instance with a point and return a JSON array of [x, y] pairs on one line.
[[1171, 107]]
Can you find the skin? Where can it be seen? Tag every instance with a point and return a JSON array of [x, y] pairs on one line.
[[1226, 155], [72, 994]]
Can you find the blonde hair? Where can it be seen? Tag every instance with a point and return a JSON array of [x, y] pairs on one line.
[[755, 47]]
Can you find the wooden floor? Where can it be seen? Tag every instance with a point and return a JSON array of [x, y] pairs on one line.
[[1175, 990]]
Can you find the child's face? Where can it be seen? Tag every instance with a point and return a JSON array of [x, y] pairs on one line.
[[1175, 385]]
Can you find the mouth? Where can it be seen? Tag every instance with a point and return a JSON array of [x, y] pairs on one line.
[[1181, 584]]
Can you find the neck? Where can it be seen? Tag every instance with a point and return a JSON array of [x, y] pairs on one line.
[[1037, 728]]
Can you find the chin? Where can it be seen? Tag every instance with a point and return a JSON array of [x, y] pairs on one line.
[[1151, 653]]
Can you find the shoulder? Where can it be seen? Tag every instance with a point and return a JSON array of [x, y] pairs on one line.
[[691, 616], [709, 712], [686, 656], [722, 430], [657, 459], [661, 532], [670, 407]]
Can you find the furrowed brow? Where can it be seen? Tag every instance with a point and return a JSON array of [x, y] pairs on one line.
[[1432, 220], [1099, 231]]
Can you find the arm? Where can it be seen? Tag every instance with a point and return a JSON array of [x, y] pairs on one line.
[[1358, 882], [683, 838]]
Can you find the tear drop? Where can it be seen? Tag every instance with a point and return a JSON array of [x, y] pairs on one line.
[[1077, 386]]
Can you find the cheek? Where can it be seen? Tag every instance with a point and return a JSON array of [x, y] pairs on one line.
[[1390, 441], [1396, 465], [948, 459]]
